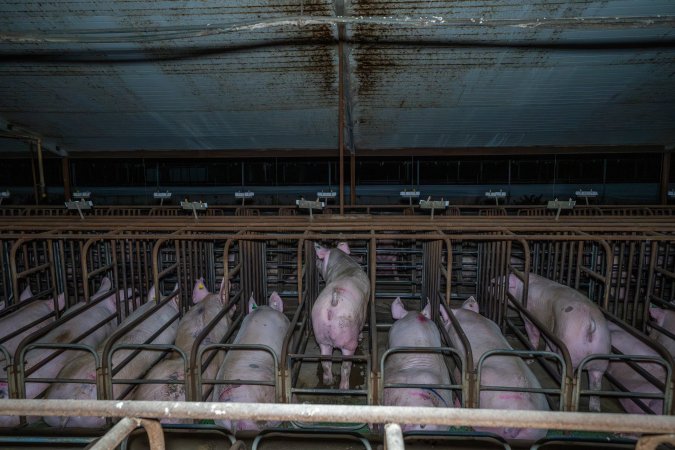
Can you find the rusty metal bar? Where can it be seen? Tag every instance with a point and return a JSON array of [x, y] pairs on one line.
[[665, 177], [65, 171], [616, 423], [341, 122], [652, 442], [352, 179], [124, 427], [374, 375]]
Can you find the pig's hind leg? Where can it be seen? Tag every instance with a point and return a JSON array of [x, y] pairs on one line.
[[595, 384], [346, 369], [327, 350]]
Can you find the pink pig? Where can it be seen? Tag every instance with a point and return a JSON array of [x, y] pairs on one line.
[[571, 317], [628, 377], [339, 312], [507, 371], [263, 325], [206, 307], [415, 329], [666, 319]]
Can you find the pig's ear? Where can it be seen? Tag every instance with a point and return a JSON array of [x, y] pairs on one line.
[[151, 294], [26, 293], [471, 304], [276, 302], [104, 286], [344, 247], [321, 251], [444, 315], [252, 305], [398, 311], [61, 301], [199, 292], [426, 312], [657, 314]]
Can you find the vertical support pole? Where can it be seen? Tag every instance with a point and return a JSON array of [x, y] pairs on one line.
[[352, 179], [65, 170], [41, 169], [665, 175], [341, 121], [32, 168]]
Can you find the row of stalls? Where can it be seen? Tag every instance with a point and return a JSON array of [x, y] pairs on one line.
[[624, 266], [579, 209]]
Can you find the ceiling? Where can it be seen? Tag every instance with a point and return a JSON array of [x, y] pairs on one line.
[[110, 76]]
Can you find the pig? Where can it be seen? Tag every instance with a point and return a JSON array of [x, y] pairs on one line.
[[25, 295], [84, 367], [13, 322], [207, 306], [484, 335], [339, 312], [628, 377], [29, 314], [263, 325], [75, 323], [571, 317], [415, 329], [665, 318]]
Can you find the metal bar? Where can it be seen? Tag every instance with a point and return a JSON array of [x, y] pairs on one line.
[[617, 423], [352, 179], [341, 121], [665, 176], [652, 442], [124, 427], [65, 171], [393, 437]]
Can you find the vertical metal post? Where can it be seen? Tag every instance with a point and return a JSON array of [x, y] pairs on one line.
[[65, 170], [352, 179], [35, 182], [41, 169], [665, 175], [341, 122]]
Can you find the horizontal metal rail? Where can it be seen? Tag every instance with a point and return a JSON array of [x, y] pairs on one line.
[[602, 422]]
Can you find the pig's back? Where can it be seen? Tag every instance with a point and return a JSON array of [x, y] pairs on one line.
[[483, 334], [264, 326], [196, 319], [414, 330]]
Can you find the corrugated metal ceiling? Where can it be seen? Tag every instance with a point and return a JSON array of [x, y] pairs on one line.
[[461, 75]]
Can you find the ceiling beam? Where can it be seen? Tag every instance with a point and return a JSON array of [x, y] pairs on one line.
[[10, 130]]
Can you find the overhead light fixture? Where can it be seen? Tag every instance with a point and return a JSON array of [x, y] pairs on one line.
[[433, 205], [161, 196], [194, 206], [496, 195], [243, 195], [326, 194], [586, 193], [79, 205], [560, 205], [311, 205], [82, 194], [410, 194]]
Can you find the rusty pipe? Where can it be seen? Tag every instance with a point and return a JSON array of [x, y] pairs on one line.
[[617, 423]]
